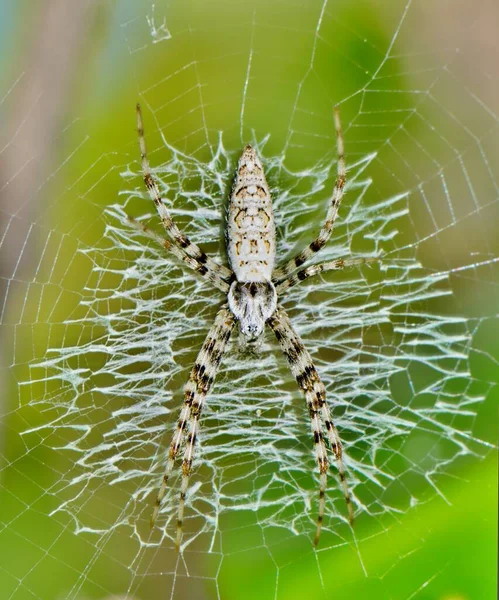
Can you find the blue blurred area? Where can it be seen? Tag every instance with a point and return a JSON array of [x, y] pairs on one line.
[[10, 13]]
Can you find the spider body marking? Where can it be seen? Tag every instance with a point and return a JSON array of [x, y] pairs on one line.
[[252, 286], [252, 303], [250, 230], [250, 238]]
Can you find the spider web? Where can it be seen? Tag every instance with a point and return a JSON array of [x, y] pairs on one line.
[[100, 328]]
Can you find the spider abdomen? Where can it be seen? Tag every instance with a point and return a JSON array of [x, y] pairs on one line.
[[250, 222]]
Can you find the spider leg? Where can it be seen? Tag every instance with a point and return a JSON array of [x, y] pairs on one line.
[[212, 276], [181, 241], [325, 233], [308, 379], [200, 380], [332, 265]]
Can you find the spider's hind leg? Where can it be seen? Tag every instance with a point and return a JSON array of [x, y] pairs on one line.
[[286, 268], [195, 264], [187, 249]]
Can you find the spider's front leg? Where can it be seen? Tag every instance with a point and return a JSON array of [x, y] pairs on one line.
[[200, 381], [309, 381]]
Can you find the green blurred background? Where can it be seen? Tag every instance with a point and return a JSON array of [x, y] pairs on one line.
[[70, 76]]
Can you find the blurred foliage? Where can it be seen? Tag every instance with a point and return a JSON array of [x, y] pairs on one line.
[[436, 550]]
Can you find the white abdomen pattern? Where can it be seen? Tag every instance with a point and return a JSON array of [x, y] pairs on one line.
[[250, 222]]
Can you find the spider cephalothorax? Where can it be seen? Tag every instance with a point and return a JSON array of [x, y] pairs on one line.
[[252, 303], [252, 287]]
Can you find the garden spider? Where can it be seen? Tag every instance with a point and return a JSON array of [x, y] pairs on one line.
[[252, 288]]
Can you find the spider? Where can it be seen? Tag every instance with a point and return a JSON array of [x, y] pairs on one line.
[[253, 286]]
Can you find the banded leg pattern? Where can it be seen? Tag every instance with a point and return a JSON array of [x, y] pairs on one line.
[[182, 242], [333, 265], [309, 381], [297, 261], [193, 263], [200, 381]]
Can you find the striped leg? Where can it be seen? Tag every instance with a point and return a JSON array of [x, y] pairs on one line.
[[212, 276], [333, 265], [288, 267], [183, 243], [200, 380], [308, 379], [336, 447]]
